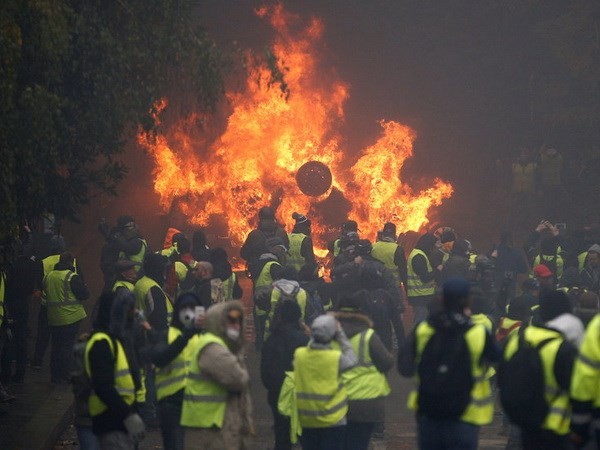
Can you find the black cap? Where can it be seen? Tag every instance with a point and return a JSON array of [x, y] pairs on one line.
[[266, 213], [124, 220]]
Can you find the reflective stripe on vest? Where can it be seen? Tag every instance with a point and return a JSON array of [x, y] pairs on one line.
[[137, 257], [142, 288], [204, 400], [363, 381], [586, 370], [480, 410], [581, 260], [336, 247], [63, 306], [558, 418], [321, 397], [415, 287], [172, 378], [228, 286], [295, 257], [123, 379], [264, 278], [386, 252]]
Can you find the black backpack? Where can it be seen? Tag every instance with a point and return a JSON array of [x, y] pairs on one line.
[[445, 376], [522, 385]]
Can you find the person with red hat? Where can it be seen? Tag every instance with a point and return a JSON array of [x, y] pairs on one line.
[[544, 276]]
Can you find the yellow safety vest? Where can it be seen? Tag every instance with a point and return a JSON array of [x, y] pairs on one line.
[[523, 177], [48, 264], [559, 416], [581, 260], [295, 257], [2, 293], [228, 286], [507, 324], [63, 306], [264, 280], [123, 284], [585, 384], [336, 247], [204, 400], [140, 292], [415, 287], [480, 410], [172, 378], [484, 320], [138, 257], [385, 252], [321, 397], [123, 379], [363, 381]]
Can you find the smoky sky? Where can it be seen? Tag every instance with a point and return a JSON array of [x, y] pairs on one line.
[[458, 72]]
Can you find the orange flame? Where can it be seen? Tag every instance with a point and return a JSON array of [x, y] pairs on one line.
[[273, 129]]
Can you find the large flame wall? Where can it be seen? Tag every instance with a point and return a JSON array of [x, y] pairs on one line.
[[272, 130]]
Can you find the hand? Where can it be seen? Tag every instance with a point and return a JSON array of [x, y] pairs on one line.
[[135, 427], [552, 229], [541, 226]]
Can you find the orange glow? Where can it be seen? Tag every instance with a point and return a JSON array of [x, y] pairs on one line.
[[271, 131]]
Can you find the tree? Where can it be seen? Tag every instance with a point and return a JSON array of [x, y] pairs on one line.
[[77, 77]]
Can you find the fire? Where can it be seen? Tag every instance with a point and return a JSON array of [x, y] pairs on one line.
[[276, 125]]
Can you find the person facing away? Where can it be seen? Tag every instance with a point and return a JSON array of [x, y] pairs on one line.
[[321, 397], [420, 288], [223, 271], [301, 245], [450, 356], [112, 367], [217, 409], [149, 294], [390, 253], [287, 334], [256, 242], [365, 383], [171, 353], [554, 340]]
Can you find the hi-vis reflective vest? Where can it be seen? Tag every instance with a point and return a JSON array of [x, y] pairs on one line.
[[320, 394], [138, 257], [295, 257], [554, 263], [558, 418], [2, 293], [385, 252], [480, 410], [172, 378], [415, 287], [48, 264], [228, 286], [581, 260], [507, 327], [301, 297], [523, 178], [63, 306], [123, 284], [585, 384], [264, 280], [204, 400], [123, 379], [336, 247], [140, 291], [363, 381]]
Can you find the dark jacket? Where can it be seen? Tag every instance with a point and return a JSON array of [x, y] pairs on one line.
[[256, 242], [457, 266], [372, 410]]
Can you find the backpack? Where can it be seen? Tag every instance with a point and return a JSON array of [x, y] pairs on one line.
[[445, 376], [522, 385], [314, 307]]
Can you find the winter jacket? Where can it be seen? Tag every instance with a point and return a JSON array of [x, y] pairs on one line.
[[256, 242]]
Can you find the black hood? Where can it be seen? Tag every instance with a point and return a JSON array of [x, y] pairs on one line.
[[447, 321], [426, 243], [114, 312], [221, 266]]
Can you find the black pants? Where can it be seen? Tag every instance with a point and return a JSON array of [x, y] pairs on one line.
[[544, 439], [331, 438], [358, 435], [42, 337], [61, 351], [281, 424], [16, 349], [169, 413]]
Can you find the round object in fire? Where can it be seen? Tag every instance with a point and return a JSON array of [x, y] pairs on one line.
[[314, 178]]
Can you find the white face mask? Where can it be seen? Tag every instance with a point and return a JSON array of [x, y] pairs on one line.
[[233, 334], [187, 317]]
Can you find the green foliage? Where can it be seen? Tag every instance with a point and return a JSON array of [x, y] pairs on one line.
[[77, 77]]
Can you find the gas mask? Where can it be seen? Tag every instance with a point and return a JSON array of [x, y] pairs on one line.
[[233, 334], [187, 316]]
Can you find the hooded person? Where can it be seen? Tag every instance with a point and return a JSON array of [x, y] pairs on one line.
[[223, 271], [287, 288], [149, 294], [126, 240], [556, 312], [366, 383], [335, 247], [217, 409], [171, 353], [287, 334], [590, 275], [457, 264], [200, 249], [322, 400], [111, 365], [301, 245], [256, 242], [420, 287]]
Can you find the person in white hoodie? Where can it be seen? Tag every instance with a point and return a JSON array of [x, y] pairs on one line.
[[287, 287], [557, 313]]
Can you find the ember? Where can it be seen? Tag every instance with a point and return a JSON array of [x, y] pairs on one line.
[[281, 147]]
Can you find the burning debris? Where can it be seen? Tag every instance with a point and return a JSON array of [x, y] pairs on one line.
[[280, 147]]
